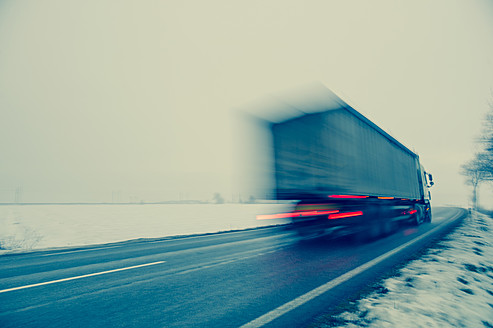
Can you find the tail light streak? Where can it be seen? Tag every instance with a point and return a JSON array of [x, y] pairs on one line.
[[344, 215], [347, 196], [294, 214]]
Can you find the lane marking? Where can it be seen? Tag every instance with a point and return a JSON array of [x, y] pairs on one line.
[[80, 250], [222, 233], [162, 240], [79, 277], [216, 234], [228, 259], [280, 237], [300, 300]]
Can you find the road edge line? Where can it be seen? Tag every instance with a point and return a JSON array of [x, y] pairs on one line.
[[302, 299]]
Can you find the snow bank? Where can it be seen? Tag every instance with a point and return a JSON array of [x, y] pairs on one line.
[[450, 286], [26, 227]]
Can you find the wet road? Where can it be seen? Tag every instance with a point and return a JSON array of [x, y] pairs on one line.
[[263, 277]]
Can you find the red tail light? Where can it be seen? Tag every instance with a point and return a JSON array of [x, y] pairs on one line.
[[347, 196], [294, 214], [345, 215], [312, 213]]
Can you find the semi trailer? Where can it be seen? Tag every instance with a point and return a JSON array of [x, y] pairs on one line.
[[346, 174]]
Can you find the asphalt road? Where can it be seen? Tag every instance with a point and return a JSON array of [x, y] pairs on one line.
[[263, 277]]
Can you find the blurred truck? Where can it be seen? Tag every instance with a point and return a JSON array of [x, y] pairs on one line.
[[347, 174]]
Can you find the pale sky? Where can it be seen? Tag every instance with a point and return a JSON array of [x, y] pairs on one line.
[[130, 101]]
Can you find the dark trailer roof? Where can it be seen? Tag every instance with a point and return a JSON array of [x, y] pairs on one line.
[[317, 100]]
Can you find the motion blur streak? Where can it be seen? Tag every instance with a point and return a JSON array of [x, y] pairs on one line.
[[310, 213], [294, 214], [344, 215], [277, 216], [347, 196]]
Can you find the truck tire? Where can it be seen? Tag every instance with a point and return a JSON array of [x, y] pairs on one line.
[[358, 238], [389, 227], [418, 217], [375, 231], [370, 233], [428, 216], [364, 235]]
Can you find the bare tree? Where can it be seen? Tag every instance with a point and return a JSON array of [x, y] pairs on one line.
[[478, 170], [487, 137], [218, 199]]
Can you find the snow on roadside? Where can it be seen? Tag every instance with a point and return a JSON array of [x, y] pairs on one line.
[[27, 227], [450, 286], [14, 234]]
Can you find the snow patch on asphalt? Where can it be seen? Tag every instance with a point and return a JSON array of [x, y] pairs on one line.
[[450, 286]]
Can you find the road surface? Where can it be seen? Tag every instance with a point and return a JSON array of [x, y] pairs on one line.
[[264, 277]]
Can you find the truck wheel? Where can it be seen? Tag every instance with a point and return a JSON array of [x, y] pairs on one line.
[[369, 233], [365, 235], [358, 238], [388, 227], [428, 216], [419, 217], [375, 231]]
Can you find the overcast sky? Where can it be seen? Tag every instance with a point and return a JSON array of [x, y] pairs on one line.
[[119, 100]]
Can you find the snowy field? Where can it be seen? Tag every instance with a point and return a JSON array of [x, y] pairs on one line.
[[28, 227], [450, 286]]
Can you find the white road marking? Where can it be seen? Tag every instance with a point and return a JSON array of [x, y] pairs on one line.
[[215, 264], [160, 241], [220, 233], [79, 277], [300, 300], [228, 259], [80, 250], [281, 237], [257, 239]]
